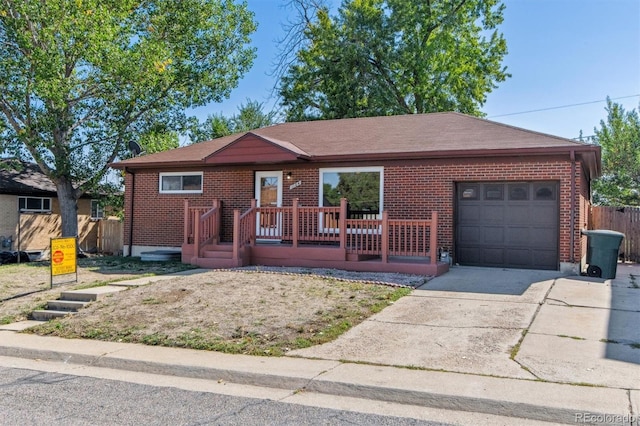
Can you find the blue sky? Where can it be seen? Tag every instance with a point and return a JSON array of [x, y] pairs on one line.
[[561, 53]]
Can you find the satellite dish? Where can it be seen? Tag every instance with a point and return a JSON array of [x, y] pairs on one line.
[[134, 147]]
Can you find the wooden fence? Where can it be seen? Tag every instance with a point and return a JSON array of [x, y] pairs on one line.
[[621, 219], [110, 236]]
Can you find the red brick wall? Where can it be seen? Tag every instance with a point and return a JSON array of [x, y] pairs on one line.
[[158, 218], [412, 189]]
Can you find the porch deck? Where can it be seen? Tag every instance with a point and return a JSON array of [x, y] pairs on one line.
[[311, 237]]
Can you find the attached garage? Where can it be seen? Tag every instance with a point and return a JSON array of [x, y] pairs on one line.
[[508, 224]]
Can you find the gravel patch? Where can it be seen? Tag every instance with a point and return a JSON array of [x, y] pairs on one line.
[[385, 278]]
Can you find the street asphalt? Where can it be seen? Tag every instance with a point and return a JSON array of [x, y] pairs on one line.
[[526, 344]]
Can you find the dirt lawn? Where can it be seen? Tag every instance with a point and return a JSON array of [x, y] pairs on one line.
[[260, 312], [27, 286]]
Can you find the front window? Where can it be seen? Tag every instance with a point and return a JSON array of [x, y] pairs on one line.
[[34, 204], [180, 183], [361, 186], [97, 211]]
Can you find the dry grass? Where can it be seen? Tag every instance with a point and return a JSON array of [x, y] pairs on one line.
[[236, 312], [27, 286]]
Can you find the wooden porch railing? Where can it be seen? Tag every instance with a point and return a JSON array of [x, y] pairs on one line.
[[202, 224], [297, 224], [244, 229]]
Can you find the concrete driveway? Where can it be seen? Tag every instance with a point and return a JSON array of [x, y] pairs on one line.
[[509, 323]]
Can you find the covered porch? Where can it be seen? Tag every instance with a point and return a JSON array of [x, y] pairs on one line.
[[327, 237]]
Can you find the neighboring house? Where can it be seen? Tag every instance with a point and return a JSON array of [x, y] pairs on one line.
[[419, 188], [30, 213]]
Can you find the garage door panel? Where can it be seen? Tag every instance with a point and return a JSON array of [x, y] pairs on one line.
[[508, 224], [472, 255], [470, 235], [492, 235], [517, 214], [518, 258], [517, 236], [492, 214], [471, 214], [493, 256], [543, 237]]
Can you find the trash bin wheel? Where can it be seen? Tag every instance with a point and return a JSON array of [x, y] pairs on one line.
[[594, 271]]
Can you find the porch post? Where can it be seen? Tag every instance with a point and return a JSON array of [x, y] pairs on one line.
[[236, 235], [196, 233], [433, 238], [343, 223], [385, 237], [186, 221], [254, 215], [295, 225], [218, 219]]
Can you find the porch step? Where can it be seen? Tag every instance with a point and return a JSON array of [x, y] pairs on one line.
[[217, 263], [219, 247], [214, 254]]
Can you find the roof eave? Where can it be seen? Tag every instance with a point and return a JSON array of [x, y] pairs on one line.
[[471, 153]]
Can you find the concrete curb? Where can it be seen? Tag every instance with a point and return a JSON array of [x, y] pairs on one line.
[[560, 403]]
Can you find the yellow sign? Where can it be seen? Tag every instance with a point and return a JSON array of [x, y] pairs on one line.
[[63, 256]]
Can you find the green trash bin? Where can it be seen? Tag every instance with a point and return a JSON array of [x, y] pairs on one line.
[[602, 252]]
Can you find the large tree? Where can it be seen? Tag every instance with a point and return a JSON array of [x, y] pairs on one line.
[[250, 116], [619, 137], [80, 79], [385, 57]]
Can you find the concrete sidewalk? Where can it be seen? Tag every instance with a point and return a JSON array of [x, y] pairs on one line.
[[528, 344]]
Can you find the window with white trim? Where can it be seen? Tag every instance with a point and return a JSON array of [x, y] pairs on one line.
[[361, 186], [34, 204], [97, 211], [181, 183]]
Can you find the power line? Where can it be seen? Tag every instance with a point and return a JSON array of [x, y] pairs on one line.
[[563, 106]]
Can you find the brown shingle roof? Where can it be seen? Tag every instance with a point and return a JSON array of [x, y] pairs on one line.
[[417, 135], [27, 179]]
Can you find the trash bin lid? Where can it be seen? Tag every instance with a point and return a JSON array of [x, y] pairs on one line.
[[603, 233]]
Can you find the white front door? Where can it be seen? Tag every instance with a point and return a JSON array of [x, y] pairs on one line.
[[269, 194]]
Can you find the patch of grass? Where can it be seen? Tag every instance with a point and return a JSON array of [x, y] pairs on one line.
[[7, 319], [516, 348], [151, 301], [571, 337]]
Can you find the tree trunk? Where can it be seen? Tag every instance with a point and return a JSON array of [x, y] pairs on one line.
[[68, 207]]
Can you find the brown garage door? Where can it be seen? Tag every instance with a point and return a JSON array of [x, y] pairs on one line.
[[508, 224]]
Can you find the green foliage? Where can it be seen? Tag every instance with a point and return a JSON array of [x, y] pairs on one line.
[[619, 137], [362, 189], [386, 57], [80, 79], [250, 116]]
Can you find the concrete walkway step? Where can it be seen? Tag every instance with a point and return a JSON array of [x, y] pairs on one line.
[[90, 294], [49, 314], [65, 305]]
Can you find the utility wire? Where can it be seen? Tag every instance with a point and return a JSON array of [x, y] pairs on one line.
[[563, 106]]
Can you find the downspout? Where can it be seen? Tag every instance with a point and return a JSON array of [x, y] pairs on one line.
[[572, 220], [133, 191]]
